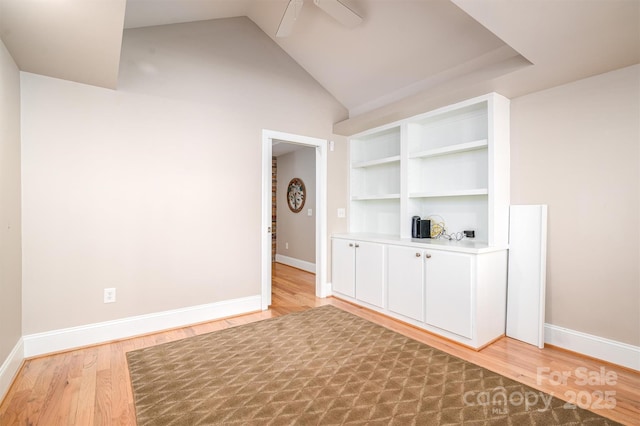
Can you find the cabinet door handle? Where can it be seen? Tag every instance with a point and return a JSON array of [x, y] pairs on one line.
[[350, 244], [428, 256], [417, 254], [357, 245]]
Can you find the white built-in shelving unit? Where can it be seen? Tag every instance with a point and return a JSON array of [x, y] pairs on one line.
[[375, 181], [452, 162]]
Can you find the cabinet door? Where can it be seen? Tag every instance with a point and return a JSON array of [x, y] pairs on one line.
[[343, 267], [406, 281], [370, 273], [448, 291]]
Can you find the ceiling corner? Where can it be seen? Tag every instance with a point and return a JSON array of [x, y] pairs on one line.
[[74, 40]]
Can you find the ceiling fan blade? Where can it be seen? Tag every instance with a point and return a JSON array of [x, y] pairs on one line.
[[289, 18], [339, 12]]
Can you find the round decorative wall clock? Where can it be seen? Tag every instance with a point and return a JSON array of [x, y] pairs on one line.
[[296, 195]]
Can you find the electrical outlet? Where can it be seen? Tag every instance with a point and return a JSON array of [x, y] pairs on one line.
[[109, 295], [342, 212], [286, 246], [310, 212]]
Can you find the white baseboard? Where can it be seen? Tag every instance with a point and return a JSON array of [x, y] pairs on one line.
[[91, 334], [296, 263], [10, 367], [597, 347]]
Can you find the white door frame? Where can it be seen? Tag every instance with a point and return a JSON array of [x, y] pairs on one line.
[[321, 209]]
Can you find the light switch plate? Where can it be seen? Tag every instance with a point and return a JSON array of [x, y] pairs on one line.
[[342, 212]]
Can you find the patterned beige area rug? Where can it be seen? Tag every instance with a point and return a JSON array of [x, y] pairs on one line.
[[325, 366]]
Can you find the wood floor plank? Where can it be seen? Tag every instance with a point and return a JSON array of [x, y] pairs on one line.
[[102, 402], [55, 409], [90, 386], [85, 410], [120, 408]]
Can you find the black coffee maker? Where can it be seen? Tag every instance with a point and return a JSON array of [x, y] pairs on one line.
[[420, 228]]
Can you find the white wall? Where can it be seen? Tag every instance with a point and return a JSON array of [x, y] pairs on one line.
[[576, 148], [297, 229], [10, 220], [155, 188]]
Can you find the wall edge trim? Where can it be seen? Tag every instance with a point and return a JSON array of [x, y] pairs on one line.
[[296, 263], [10, 367]]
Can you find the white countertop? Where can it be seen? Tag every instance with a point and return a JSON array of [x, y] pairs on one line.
[[462, 246]]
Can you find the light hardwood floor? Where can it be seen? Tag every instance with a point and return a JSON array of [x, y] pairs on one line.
[[91, 385]]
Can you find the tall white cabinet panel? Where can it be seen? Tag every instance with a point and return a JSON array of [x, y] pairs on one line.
[[370, 267], [527, 273], [343, 267], [406, 281], [449, 291]]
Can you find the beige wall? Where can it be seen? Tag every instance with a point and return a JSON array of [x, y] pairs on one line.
[[155, 189], [10, 217], [297, 229], [576, 148], [135, 188]]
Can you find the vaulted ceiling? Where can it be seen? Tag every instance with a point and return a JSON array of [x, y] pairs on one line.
[[402, 47]]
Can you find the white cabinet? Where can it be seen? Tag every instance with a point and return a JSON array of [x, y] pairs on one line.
[[449, 286], [370, 268], [432, 286], [452, 289], [406, 281], [343, 267], [358, 270]]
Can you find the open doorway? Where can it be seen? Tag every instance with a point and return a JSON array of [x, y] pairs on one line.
[[317, 148], [293, 223]]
